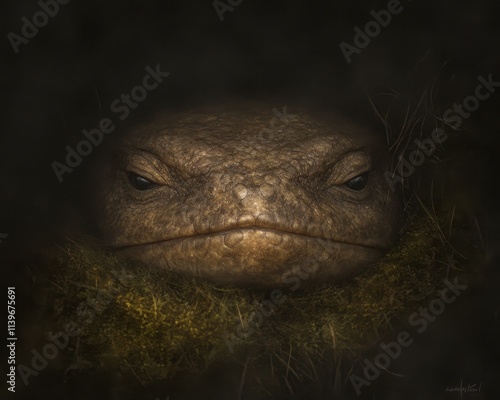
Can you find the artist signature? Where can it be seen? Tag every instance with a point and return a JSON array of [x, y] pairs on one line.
[[468, 388]]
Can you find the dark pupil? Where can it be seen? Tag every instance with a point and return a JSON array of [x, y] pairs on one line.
[[139, 182], [358, 183]]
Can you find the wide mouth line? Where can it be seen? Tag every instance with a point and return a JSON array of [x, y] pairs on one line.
[[248, 228]]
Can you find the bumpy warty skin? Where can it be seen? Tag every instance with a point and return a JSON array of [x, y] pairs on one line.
[[240, 205]]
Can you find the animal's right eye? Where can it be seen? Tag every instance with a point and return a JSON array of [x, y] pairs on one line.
[[140, 183], [358, 183]]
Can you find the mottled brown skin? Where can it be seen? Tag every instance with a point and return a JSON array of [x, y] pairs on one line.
[[228, 202]]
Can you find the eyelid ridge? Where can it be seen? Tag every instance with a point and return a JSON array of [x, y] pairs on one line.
[[350, 166]]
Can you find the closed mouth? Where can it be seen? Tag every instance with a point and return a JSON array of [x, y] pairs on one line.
[[244, 229]]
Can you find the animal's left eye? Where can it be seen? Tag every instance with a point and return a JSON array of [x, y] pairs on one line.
[[359, 182], [140, 183]]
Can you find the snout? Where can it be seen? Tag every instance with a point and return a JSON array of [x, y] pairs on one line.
[[255, 256]]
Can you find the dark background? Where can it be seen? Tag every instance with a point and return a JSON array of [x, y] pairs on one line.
[[91, 52]]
